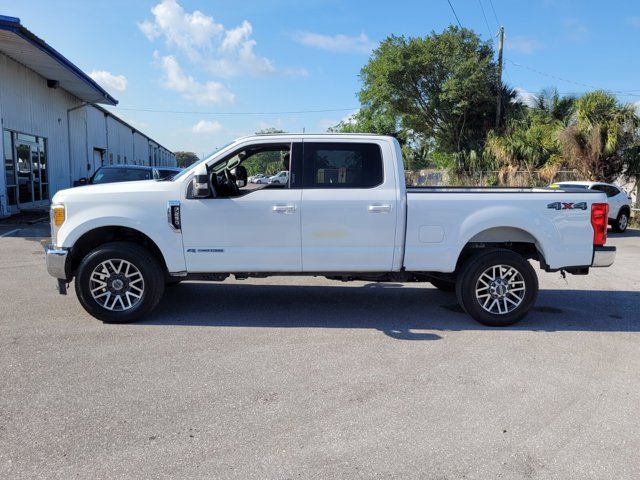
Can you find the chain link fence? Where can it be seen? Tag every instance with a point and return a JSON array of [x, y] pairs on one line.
[[507, 178]]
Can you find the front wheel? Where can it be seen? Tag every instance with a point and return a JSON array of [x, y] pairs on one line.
[[119, 282], [497, 288]]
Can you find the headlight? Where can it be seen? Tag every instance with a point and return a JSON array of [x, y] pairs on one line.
[[58, 216]]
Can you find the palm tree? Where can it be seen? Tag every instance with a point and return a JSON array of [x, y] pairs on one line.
[[557, 107], [597, 138]]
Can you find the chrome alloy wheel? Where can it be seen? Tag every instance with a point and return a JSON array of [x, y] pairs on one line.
[[622, 223], [116, 285], [500, 289]]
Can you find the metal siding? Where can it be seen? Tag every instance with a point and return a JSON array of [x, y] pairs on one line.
[[29, 106], [141, 146], [4, 207], [78, 147]]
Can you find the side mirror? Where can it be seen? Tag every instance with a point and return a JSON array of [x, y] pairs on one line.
[[80, 182], [201, 188]]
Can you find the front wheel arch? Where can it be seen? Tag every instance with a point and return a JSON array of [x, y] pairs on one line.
[[99, 236]]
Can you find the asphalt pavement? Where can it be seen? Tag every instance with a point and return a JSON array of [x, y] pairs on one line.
[[287, 378]]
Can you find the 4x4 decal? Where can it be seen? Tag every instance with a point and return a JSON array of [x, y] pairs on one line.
[[567, 206]]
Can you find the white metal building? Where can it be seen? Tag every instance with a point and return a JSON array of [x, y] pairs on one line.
[[53, 130]]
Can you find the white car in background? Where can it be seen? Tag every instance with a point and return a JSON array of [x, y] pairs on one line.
[[259, 178], [281, 178], [619, 202]]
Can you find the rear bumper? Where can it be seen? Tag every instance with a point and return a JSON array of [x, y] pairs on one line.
[[56, 261], [603, 256]]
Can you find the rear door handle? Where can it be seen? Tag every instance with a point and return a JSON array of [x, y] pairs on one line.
[[285, 209], [379, 208]]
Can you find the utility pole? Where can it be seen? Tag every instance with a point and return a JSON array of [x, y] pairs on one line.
[[499, 94]]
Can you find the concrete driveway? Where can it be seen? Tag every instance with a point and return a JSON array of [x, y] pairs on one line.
[[308, 378]]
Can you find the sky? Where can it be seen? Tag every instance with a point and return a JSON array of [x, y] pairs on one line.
[[195, 74]]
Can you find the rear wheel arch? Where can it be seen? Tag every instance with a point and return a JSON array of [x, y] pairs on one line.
[[514, 239]]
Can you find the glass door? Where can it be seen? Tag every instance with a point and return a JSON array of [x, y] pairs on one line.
[[24, 169], [27, 179]]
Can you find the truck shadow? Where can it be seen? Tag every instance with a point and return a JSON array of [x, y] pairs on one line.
[[401, 312], [629, 233]]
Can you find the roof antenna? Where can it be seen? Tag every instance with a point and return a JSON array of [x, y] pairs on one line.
[[303, 129]]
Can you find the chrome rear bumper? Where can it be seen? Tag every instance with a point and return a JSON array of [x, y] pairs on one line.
[[56, 261], [603, 256]]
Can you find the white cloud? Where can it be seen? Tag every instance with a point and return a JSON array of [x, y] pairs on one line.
[[109, 81], [337, 43], [525, 97], [576, 30], [523, 45], [223, 52], [201, 93], [207, 126]]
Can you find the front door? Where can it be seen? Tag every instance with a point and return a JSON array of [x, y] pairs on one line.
[[256, 231], [349, 208]]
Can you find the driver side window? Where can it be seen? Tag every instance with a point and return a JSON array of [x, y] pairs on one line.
[[254, 168]]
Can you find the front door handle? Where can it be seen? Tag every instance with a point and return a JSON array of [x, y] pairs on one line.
[[379, 208], [285, 209]]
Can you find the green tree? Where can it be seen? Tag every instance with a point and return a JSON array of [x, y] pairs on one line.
[[268, 163], [442, 87], [558, 107], [527, 142], [379, 121], [596, 142], [184, 159]]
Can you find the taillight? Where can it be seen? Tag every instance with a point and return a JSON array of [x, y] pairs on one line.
[[599, 221]]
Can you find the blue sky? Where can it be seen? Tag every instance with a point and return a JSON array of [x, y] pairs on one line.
[[286, 55]]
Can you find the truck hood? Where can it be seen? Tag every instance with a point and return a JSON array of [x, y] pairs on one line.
[[108, 190]]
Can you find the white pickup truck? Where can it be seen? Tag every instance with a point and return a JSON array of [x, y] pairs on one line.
[[344, 213]]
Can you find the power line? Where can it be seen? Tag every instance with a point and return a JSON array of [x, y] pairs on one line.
[[454, 13], [494, 13], [486, 22], [188, 112], [582, 84]]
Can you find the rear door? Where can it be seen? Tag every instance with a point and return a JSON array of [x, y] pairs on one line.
[[348, 208]]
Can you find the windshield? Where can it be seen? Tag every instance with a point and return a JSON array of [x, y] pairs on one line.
[[205, 159], [111, 175]]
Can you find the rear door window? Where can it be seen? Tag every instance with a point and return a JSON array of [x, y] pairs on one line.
[[342, 165]]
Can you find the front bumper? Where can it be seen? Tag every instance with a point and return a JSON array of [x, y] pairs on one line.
[[603, 256], [56, 261]]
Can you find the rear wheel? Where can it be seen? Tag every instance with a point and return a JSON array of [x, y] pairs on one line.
[[497, 288], [622, 222], [119, 282]]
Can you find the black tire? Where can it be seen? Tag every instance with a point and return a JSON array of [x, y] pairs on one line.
[[149, 268], [622, 222], [444, 285], [467, 282]]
